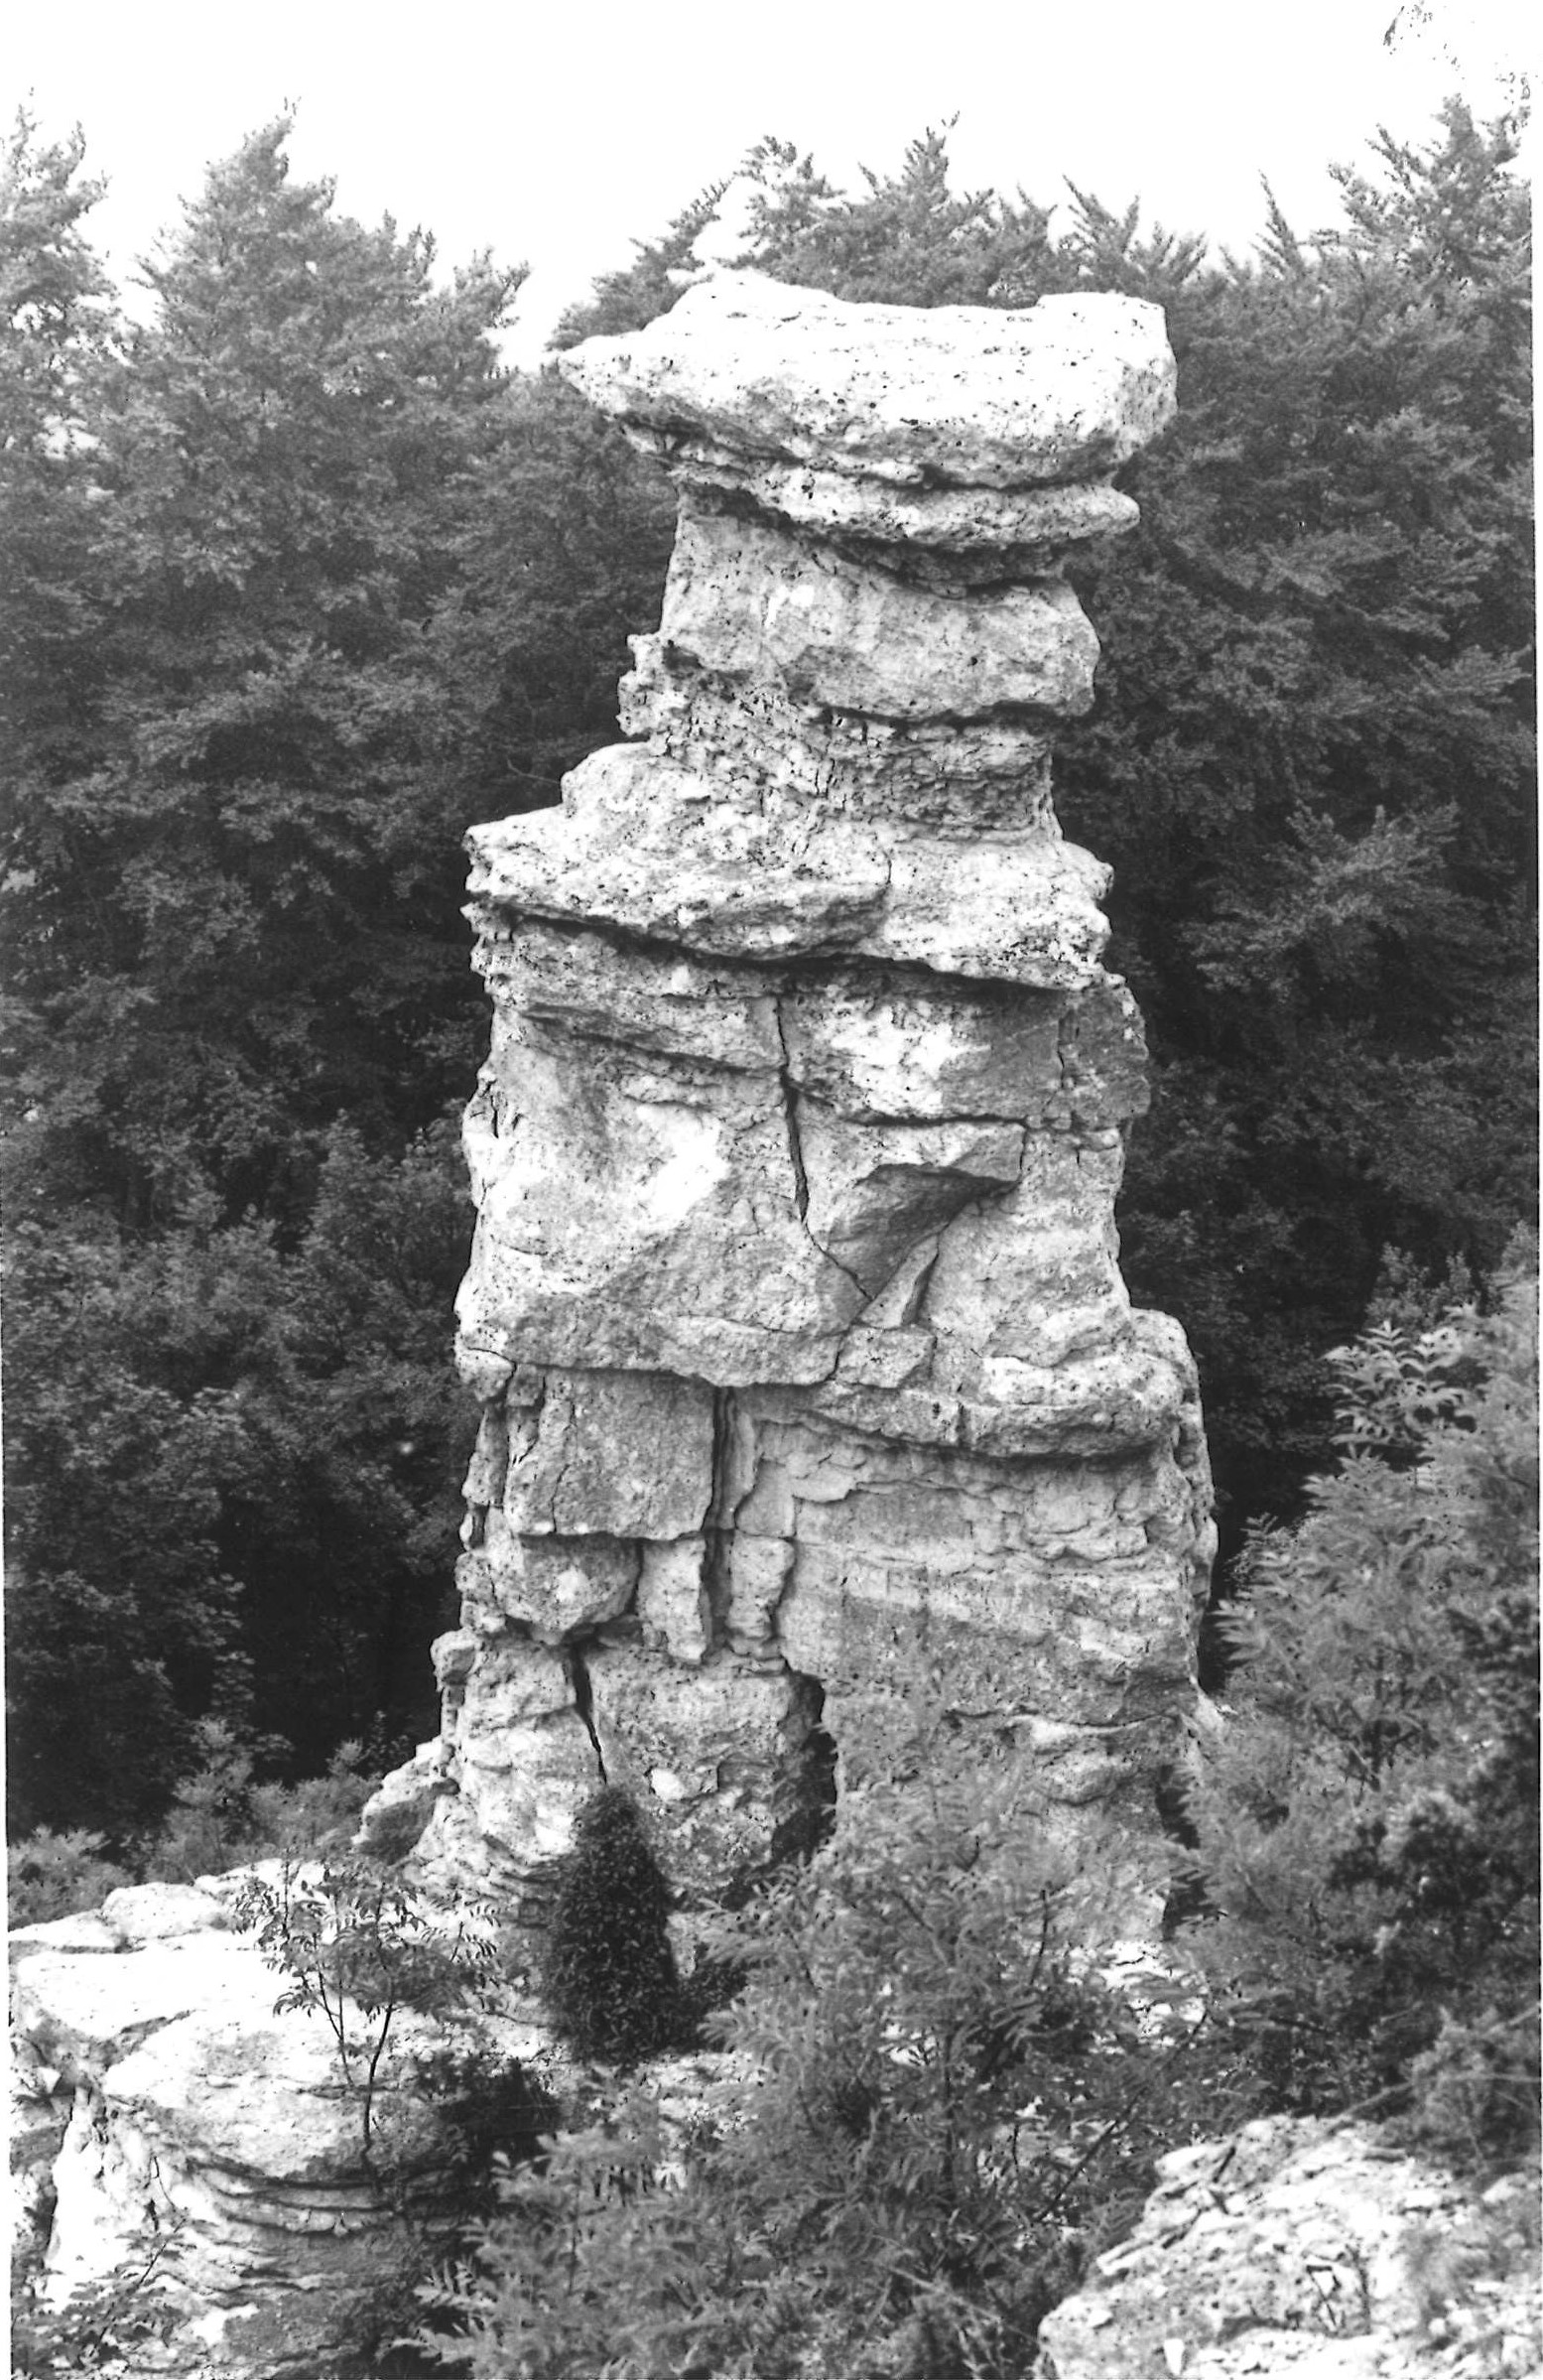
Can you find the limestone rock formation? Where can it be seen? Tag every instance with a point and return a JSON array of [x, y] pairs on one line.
[[175, 2138], [1315, 2249], [794, 1306]]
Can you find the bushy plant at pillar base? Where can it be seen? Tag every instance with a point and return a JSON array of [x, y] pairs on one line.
[[609, 1977]]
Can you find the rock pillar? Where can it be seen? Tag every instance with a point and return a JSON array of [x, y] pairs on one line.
[[795, 1308]]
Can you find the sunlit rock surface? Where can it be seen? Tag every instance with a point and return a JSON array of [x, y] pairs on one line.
[[960, 396], [175, 2138], [1312, 2249], [795, 1308]]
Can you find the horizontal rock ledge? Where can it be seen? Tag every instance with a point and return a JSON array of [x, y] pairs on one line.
[[963, 396], [880, 514], [643, 847]]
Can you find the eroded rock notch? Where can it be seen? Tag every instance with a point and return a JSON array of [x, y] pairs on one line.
[[794, 1306]]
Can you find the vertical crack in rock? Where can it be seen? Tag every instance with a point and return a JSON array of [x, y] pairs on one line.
[[824, 856], [584, 1701], [789, 1088], [719, 1520], [790, 1112]]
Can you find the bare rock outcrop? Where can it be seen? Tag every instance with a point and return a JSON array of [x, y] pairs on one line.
[[180, 2143], [1312, 2249], [794, 1306]]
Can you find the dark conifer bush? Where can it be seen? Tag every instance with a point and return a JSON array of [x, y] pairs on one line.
[[610, 1979]]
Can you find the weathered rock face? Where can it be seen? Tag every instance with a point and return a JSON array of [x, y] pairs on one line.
[[171, 2134], [794, 1305], [1315, 2249]]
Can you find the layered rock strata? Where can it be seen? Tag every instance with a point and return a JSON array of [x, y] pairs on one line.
[[178, 2141], [794, 1306]]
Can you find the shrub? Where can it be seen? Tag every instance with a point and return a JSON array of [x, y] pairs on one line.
[[610, 1976], [954, 2108], [1367, 1820], [103, 2321], [222, 1817], [51, 1875], [494, 2113], [357, 1944], [596, 2265]]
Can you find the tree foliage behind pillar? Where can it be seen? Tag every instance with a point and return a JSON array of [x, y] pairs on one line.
[[1367, 1814], [298, 585]]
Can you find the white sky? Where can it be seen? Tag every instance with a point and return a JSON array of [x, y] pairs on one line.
[[555, 134]]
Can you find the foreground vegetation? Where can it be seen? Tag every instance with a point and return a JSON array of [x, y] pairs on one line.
[[948, 2109], [937, 2109]]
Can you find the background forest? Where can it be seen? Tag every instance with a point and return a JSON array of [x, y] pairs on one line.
[[300, 584]]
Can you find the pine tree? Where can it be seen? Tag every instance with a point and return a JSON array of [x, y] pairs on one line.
[[232, 920]]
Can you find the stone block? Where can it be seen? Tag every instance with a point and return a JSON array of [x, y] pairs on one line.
[[672, 1602], [746, 600], [552, 1586], [914, 1049], [624, 1454], [960, 396]]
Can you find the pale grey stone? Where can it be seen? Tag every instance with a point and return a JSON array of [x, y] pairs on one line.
[[962, 395], [554, 1586], [751, 735], [1033, 524], [622, 1454], [645, 847], [673, 1603], [795, 1289], [745, 600], [1309, 2248]]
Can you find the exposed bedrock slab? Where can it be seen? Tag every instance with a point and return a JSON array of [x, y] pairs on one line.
[[794, 1306], [1319, 2249], [174, 2127]]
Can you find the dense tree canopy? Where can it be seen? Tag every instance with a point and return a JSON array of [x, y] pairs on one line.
[[236, 920], [300, 584]]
